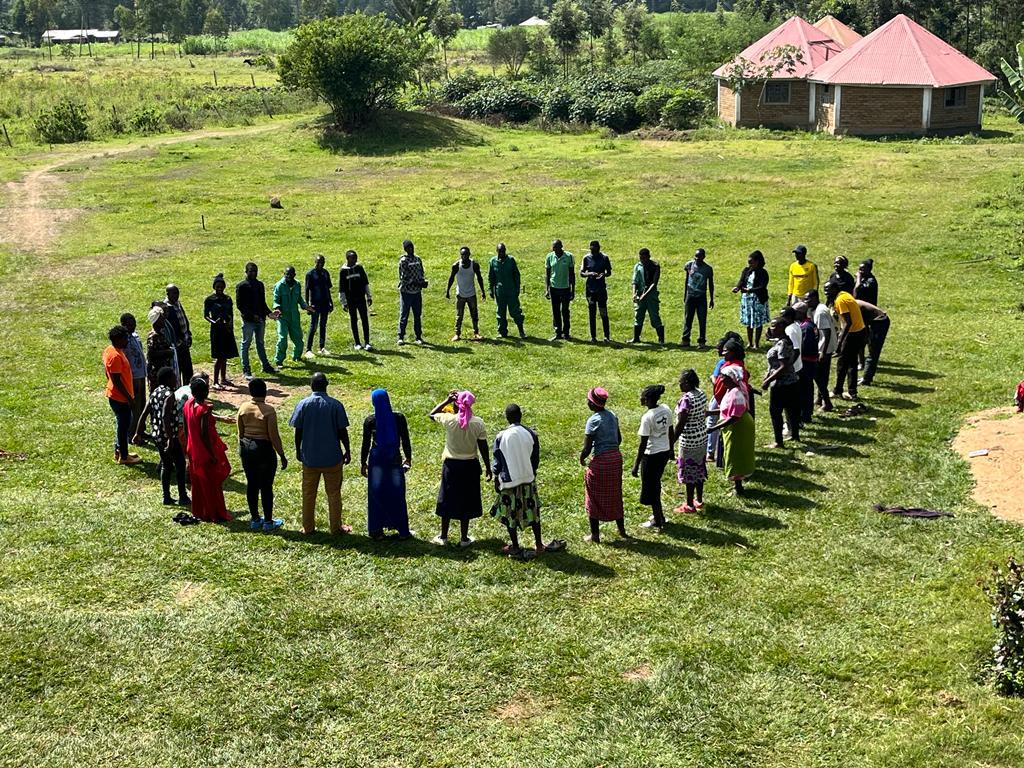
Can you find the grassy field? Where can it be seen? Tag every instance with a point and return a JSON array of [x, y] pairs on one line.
[[795, 627]]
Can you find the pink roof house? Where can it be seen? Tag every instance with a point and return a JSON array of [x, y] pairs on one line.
[[838, 31], [899, 79], [783, 100]]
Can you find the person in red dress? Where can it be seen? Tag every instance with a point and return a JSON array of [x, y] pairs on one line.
[[207, 455]]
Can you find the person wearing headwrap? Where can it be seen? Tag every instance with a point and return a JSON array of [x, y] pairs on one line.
[[840, 274], [602, 481], [737, 426], [218, 310], [159, 350], [465, 434], [385, 440]]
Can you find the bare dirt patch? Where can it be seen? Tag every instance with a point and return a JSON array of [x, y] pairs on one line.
[[998, 475], [238, 393], [521, 708], [188, 593], [643, 672]]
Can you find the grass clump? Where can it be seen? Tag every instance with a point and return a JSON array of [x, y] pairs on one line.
[[66, 122]]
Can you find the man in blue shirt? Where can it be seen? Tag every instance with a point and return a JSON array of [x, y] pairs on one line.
[[321, 303], [700, 296], [322, 446]]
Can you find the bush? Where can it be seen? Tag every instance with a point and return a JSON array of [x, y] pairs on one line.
[[651, 102], [64, 123], [511, 101], [462, 85], [1005, 591], [203, 45], [618, 112], [557, 104], [356, 63], [146, 120], [685, 109], [583, 109]]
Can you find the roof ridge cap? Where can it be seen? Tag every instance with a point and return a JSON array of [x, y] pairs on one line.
[[905, 21]]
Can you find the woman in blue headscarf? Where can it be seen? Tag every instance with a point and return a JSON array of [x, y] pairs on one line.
[[385, 440]]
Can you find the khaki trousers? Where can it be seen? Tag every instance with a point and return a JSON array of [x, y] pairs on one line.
[[310, 485]]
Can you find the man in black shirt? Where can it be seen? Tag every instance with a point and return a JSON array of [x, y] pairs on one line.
[[251, 300], [354, 292], [596, 267], [321, 303], [178, 321]]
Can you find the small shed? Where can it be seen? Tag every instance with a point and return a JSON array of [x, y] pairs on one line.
[[533, 21], [783, 100], [900, 79], [838, 31]]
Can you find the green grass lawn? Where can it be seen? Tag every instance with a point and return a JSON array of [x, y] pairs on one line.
[[795, 627]]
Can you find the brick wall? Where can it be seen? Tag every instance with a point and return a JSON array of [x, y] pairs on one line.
[[792, 115], [873, 111], [726, 103], [955, 119]]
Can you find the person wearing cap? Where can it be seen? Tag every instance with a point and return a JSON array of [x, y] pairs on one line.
[[560, 287], [877, 322], [321, 303], [602, 481], [841, 276], [355, 295], [411, 282], [699, 297], [827, 342], [852, 338], [464, 270], [646, 302], [287, 301], [737, 427], [596, 269], [803, 275], [503, 282]]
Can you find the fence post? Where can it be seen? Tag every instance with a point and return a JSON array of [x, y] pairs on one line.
[[7, 136], [215, 77]]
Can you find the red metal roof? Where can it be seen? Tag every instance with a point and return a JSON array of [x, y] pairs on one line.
[[815, 45], [838, 31], [901, 52]]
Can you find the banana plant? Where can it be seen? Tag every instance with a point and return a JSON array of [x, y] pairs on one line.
[[1013, 95]]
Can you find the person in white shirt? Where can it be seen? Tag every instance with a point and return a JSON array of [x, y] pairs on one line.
[[654, 452], [827, 340], [463, 272]]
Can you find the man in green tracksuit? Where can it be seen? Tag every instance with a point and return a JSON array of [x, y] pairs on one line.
[[288, 300], [646, 275], [503, 285]]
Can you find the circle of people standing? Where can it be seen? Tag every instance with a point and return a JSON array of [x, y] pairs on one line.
[[716, 427]]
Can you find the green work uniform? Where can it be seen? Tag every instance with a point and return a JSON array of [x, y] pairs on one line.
[[288, 299], [561, 268], [651, 304], [503, 284]]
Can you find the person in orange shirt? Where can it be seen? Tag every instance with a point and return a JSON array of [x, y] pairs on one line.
[[119, 391], [852, 337]]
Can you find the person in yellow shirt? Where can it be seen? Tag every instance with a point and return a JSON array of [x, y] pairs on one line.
[[853, 335], [803, 275]]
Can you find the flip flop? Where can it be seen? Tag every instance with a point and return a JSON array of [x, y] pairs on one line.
[[556, 545]]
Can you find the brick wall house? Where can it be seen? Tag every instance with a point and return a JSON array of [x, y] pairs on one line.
[[775, 104]]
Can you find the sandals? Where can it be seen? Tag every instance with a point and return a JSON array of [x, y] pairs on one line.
[[556, 545], [184, 518]]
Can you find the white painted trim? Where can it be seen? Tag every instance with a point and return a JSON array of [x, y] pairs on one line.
[[926, 108], [837, 105], [981, 103], [718, 97], [812, 105], [739, 102]]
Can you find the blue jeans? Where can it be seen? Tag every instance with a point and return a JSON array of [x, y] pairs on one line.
[[413, 301], [250, 329], [123, 416]]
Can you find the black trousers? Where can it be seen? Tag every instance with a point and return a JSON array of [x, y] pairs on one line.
[[785, 398], [822, 375], [259, 462], [357, 311], [696, 305], [808, 375], [879, 330], [595, 302], [172, 461], [846, 369], [317, 319], [560, 310], [185, 363]]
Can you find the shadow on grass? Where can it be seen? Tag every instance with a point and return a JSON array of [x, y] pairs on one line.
[[899, 370], [903, 389], [774, 497], [898, 403], [650, 547], [710, 536], [744, 517], [396, 133]]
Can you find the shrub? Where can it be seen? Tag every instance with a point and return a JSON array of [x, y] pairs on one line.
[[264, 61], [64, 123], [651, 102], [1005, 591], [460, 86], [685, 109], [583, 109], [356, 63], [146, 120], [557, 104], [511, 101], [618, 112], [202, 45]]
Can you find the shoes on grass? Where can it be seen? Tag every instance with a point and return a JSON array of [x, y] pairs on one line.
[[272, 525]]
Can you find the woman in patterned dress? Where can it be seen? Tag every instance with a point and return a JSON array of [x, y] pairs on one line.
[[691, 430], [753, 285]]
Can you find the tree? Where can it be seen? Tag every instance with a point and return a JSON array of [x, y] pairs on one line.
[[215, 24], [313, 10], [358, 64], [509, 47], [599, 15], [193, 14], [411, 11], [272, 14], [32, 17], [542, 54], [233, 11], [566, 29], [445, 26], [610, 49], [1013, 93]]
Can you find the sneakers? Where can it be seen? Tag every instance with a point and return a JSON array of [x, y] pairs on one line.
[[309, 354], [169, 502], [367, 346], [456, 337], [357, 346], [255, 525], [466, 542], [401, 341], [650, 524], [248, 376], [272, 525], [439, 541], [185, 501], [477, 336], [270, 369], [324, 351], [420, 341], [556, 337]]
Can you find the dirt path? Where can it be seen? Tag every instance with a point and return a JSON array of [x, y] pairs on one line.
[[30, 222], [998, 477]]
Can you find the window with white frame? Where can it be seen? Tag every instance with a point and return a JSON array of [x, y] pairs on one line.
[[956, 97], [776, 93]]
